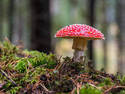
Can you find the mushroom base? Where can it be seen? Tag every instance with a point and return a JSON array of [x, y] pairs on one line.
[[78, 56]]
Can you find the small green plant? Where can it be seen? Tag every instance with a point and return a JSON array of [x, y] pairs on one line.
[[14, 90], [122, 81], [89, 90], [121, 92]]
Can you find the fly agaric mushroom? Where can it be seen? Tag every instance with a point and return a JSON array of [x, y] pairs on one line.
[[80, 33]]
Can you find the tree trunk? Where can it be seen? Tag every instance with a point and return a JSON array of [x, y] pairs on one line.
[[40, 25], [104, 23], [91, 18], [121, 23], [10, 18], [1, 18], [18, 22]]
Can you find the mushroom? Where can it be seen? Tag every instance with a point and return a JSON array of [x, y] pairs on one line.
[[80, 33]]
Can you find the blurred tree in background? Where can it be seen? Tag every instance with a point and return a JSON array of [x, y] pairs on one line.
[[33, 23], [17, 22], [1, 18], [10, 18], [91, 20], [40, 25], [121, 23]]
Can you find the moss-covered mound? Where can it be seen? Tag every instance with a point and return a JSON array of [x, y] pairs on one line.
[[33, 72]]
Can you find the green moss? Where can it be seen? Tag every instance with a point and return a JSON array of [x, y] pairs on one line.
[[21, 65], [38, 58]]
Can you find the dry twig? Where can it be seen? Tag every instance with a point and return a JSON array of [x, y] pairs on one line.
[[4, 74], [112, 88]]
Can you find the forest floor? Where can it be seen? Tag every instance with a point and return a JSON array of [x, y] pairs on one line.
[[33, 72]]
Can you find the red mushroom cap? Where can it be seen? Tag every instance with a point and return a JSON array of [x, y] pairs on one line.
[[79, 31]]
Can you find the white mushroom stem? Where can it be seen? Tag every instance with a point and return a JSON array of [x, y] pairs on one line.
[[78, 56], [79, 46]]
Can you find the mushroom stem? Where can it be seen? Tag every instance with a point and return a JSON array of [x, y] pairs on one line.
[[79, 45]]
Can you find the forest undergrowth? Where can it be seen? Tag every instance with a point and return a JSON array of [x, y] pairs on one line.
[[33, 72]]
